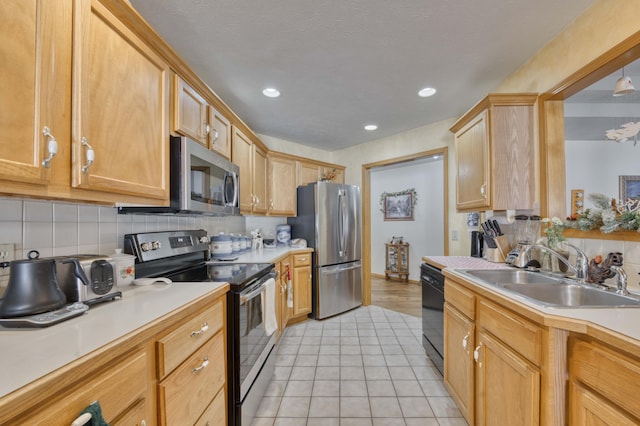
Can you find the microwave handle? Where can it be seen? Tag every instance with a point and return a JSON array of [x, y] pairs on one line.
[[234, 200]]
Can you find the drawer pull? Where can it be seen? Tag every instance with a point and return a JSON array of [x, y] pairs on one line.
[[202, 366], [465, 342], [303, 259], [204, 328], [476, 355]]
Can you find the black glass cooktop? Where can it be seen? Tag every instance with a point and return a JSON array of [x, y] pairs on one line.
[[236, 274]]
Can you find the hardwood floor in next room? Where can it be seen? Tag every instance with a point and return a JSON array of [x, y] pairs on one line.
[[397, 296]]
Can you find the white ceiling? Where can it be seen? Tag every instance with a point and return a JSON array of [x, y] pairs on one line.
[[341, 64]]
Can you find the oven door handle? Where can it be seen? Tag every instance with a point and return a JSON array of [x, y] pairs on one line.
[[244, 298]]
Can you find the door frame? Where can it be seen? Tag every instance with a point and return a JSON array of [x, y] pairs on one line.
[[366, 209]]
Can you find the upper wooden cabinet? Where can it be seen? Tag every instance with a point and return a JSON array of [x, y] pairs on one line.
[[35, 88], [252, 161], [189, 111], [120, 91], [91, 123], [309, 172], [495, 154], [193, 117], [282, 185]]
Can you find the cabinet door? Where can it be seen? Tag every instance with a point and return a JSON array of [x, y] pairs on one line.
[[219, 133], [241, 156], [189, 114], [588, 408], [459, 342], [282, 186], [34, 88], [473, 187], [260, 201], [301, 291], [120, 109], [339, 176], [507, 386], [308, 173]]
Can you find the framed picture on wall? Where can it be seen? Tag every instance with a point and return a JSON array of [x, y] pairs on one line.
[[629, 188], [398, 206]]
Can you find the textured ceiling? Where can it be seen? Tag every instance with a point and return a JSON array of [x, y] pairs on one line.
[[341, 64]]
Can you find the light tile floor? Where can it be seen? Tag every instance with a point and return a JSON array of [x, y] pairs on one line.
[[364, 367]]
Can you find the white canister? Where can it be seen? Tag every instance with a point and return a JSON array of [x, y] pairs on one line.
[[221, 245], [124, 266]]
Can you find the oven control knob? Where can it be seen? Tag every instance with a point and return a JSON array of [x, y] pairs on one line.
[[155, 245], [146, 246], [204, 240]]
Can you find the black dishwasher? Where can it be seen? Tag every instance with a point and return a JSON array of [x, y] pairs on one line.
[[432, 282]]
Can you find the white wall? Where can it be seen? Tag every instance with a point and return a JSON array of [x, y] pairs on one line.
[[596, 165], [424, 233]]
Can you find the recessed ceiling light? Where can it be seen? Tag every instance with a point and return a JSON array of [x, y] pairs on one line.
[[370, 127], [426, 92], [270, 92]]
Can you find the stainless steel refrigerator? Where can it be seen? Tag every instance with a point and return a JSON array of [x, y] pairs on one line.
[[329, 219]]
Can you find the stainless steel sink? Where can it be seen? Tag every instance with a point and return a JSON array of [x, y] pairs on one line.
[[572, 296], [551, 290], [512, 276]]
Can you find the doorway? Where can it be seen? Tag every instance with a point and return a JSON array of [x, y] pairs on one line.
[[371, 205]]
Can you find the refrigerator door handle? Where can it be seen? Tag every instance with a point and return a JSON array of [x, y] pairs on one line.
[[341, 222]]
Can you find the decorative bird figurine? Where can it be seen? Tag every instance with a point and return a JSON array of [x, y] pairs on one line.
[[599, 270], [626, 132]]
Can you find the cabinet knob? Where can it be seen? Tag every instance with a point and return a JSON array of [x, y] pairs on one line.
[[476, 355], [483, 190], [216, 135], [207, 128], [90, 155], [52, 147], [204, 328], [143, 423]]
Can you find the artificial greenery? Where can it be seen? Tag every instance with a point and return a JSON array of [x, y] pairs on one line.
[[607, 215]]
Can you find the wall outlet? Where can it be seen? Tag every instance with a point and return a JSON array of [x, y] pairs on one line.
[[7, 254], [454, 235]]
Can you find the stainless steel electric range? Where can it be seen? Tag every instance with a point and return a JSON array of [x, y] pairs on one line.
[[182, 256]]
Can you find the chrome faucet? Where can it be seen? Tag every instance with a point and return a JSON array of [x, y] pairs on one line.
[[621, 280], [582, 261]]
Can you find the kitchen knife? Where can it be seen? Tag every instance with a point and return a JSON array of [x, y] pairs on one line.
[[485, 228], [496, 226]]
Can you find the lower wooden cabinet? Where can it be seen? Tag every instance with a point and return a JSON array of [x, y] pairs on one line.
[[492, 360], [603, 384], [172, 371], [122, 390], [507, 386], [459, 342], [301, 285]]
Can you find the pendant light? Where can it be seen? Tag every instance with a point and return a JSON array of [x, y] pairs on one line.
[[624, 86]]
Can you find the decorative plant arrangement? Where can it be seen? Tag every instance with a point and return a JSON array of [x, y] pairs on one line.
[[328, 176], [553, 231], [607, 215]]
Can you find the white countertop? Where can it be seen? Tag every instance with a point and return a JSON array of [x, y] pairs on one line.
[[28, 354], [625, 321]]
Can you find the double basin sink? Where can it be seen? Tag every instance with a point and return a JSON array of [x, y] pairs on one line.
[[551, 291]]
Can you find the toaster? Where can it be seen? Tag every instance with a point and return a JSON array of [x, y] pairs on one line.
[[100, 273]]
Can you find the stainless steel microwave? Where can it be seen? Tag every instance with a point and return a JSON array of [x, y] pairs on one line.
[[201, 182]]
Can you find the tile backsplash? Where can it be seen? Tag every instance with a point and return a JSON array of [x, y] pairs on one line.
[[59, 228]]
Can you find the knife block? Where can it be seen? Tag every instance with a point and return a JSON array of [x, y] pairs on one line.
[[499, 254]]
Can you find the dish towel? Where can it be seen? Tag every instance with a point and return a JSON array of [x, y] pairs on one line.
[[91, 416], [269, 307]]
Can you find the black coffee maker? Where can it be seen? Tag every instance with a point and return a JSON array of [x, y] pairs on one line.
[[477, 244]]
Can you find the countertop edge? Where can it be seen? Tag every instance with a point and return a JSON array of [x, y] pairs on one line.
[[123, 343], [608, 325]]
